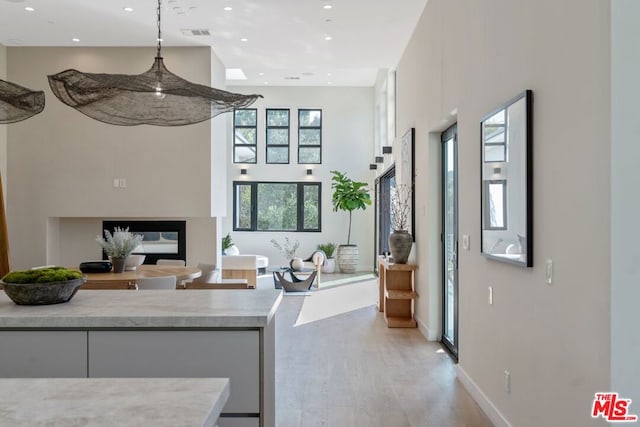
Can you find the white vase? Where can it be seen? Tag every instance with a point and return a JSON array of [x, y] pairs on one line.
[[330, 266], [296, 264]]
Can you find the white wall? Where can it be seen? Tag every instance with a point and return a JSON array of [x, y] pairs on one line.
[[62, 163], [625, 203], [465, 59], [347, 146]]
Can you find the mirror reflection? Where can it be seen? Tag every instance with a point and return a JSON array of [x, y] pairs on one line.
[[506, 207]]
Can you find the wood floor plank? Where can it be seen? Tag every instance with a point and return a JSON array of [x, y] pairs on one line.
[[351, 370]]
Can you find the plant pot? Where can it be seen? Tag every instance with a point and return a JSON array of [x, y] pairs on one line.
[[329, 266], [42, 293], [400, 242], [118, 264], [347, 258]]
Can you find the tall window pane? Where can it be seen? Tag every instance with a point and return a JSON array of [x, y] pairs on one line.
[[277, 135], [245, 137], [309, 136], [243, 207], [311, 196]]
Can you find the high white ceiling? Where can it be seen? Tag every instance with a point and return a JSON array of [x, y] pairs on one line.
[[285, 38]]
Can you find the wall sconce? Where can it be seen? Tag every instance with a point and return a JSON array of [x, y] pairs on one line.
[[379, 159], [243, 171], [386, 149], [309, 171], [373, 166]]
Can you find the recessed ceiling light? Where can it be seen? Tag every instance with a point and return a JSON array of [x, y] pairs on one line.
[[29, 9], [127, 9], [244, 39], [327, 6], [75, 39], [327, 38], [228, 8], [328, 74], [261, 74]]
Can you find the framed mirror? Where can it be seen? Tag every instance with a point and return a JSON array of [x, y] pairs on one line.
[[506, 136]]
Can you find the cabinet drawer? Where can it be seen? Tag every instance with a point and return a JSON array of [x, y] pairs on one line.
[[43, 354], [225, 354]]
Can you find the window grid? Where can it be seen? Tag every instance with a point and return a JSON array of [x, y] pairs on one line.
[[242, 130], [249, 216], [309, 153], [274, 127]]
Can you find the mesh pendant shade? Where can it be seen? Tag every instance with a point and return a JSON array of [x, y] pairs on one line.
[[157, 97], [18, 103]]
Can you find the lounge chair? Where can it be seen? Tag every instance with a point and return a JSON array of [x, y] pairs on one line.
[[290, 286]]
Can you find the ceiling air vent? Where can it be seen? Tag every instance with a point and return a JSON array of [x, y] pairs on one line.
[[196, 32]]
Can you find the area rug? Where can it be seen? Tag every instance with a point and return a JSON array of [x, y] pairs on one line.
[[324, 303]]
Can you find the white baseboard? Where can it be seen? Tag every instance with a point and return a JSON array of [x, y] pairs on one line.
[[424, 330], [483, 401]]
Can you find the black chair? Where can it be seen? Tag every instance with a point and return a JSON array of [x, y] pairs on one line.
[[292, 286]]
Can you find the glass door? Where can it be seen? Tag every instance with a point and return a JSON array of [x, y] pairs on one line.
[[449, 238], [384, 186]]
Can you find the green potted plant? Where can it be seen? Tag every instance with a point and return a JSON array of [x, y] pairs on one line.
[[328, 248], [118, 246], [348, 195], [226, 243], [45, 285]]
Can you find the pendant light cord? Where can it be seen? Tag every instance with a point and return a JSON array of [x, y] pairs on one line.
[[159, 54]]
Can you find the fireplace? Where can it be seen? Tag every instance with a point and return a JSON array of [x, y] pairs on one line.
[[162, 239]]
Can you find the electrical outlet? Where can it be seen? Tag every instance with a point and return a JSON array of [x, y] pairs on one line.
[[549, 272], [490, 295], [507, 382], [123, 183]]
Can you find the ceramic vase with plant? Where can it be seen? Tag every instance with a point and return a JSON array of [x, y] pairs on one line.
[[289, 249], [118, 246], [348, 195], [400, 240], [330, 264]]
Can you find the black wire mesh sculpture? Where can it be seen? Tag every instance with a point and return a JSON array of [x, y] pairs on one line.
[[18, 103], [157, 97]]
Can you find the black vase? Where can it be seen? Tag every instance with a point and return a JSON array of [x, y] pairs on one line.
[[400, 242]]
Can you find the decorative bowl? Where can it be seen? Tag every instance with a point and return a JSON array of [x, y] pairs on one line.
[[42, 293], [133, 261]]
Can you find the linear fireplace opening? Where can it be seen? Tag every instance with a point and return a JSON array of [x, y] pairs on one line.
[[162, 239]]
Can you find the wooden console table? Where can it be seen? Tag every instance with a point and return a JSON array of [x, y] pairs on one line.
[[396, 283]]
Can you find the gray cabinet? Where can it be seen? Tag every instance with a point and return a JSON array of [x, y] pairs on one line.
[[43, 354]]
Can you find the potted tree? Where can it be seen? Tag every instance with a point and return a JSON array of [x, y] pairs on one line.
[[348, 195], [328, 248]]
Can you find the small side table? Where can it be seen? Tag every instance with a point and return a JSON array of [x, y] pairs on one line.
[[396, 283]]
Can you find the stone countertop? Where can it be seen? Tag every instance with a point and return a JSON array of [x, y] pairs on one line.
[[147, 309], [94, 402]]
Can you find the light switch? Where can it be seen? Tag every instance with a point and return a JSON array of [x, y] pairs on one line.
[[549, 271], [490, 295], [116, 183], [123, 183], [465, 242]]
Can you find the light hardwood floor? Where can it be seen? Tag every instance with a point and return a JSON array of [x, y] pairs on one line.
[[350, 370]]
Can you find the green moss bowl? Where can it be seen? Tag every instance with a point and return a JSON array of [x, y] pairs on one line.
[[42, 293]]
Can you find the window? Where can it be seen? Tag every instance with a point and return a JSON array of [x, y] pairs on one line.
[[245, 144], [276, 206], [495, 143], [309, 136], [496, 210], [277, 135]]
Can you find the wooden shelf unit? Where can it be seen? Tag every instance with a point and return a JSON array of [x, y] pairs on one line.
[[397, 293]]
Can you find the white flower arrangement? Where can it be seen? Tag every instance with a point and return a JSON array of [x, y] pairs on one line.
[[400, 207], [289, 249], [120, 244]]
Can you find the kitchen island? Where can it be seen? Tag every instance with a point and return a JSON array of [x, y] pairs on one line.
[[123, 402], [163, 334]]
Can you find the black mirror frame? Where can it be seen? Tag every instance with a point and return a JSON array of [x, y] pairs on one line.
[[527, 95]]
